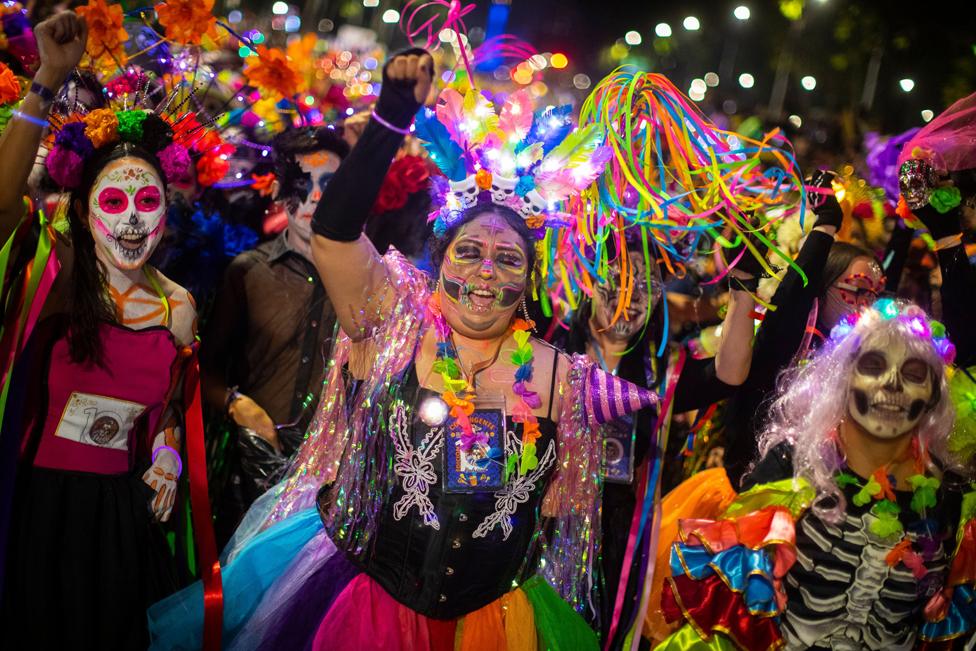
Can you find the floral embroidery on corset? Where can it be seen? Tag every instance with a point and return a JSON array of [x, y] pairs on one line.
[[516, 491], [414, 467]]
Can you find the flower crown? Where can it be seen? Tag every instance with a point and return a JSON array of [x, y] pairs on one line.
[[183, 145], [16, 36], [917, 322], [522, 159]]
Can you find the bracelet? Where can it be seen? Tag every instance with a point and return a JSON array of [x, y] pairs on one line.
[[176, 454], [45, 93], [30, 118], [392, 127], [232, 395]]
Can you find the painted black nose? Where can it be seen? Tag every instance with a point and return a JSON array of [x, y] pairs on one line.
[[133, 220]]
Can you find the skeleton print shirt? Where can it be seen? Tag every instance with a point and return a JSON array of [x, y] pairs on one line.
[[842, 591]]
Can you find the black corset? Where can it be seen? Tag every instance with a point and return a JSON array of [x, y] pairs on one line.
[[447, 572]]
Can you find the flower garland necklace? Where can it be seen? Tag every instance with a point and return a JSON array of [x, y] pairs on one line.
[[459, 394], [879, 487]]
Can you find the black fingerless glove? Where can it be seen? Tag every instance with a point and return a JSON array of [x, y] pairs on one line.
[[827, 209], [348, 198], [939, 224], [397, 104]]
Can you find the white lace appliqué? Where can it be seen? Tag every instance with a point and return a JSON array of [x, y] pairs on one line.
[[414, 467], [516, 491]]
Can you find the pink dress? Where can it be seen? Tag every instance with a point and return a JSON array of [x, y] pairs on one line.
[[85, 558]]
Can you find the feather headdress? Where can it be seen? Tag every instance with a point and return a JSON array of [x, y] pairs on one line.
[[525, 159]]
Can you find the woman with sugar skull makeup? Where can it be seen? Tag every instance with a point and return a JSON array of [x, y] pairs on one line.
[[93, 417], [409, 548], [855, 529]]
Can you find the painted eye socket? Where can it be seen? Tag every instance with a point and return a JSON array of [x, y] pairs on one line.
[[148, 199], [915, 371], [112, 201], [872, 364], [510, 259], [467, 253]]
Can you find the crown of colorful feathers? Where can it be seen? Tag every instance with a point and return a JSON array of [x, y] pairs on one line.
[[529, 161], [170, 130]]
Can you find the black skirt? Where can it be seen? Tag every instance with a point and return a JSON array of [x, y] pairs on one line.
[[85, 561]]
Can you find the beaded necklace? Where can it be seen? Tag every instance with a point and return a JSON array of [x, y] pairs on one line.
[[459, 394]]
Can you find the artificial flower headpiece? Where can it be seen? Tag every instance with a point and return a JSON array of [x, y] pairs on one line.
[[526, 160], [16, 36], [169, 131], [910, 315]]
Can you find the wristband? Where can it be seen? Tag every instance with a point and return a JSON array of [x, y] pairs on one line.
[[389, 125], [30, 118], [45, 93], [232, 395], [179, 470]]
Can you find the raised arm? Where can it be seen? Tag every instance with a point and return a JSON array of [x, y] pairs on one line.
[[61, 41], [346, 260]]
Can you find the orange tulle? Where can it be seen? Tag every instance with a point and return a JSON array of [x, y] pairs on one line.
[[964, 562], [703, 496]]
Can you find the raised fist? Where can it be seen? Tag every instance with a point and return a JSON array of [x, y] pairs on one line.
[[407, 80], [61, 41]]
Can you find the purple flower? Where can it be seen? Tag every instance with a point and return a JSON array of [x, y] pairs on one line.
[[72, 137]]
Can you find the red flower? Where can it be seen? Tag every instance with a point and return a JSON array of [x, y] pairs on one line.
[[211, 168], [406, 176]]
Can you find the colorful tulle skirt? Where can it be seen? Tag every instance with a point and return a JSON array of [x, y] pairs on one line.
[[289, 588]]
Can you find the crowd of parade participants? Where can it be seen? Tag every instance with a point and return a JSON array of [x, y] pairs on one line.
[[455, 367]]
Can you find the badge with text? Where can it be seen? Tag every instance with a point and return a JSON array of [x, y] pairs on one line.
[[476, 462], [618, 451], [98, 420]]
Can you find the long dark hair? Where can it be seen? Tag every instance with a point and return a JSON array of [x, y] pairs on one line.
[[439, 243], [841, 255], [88, 299]]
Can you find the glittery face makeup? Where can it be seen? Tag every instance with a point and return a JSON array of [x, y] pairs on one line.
[[607, 296], [483, 276], [126, 211], [859, 287], [320, 167]]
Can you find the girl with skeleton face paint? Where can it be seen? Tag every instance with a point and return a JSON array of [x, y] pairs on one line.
[[859, 434], [108, 337]]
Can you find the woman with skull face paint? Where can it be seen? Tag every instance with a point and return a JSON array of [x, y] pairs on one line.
[[458, 458], [627, 346], [91, 407], [852, 529]]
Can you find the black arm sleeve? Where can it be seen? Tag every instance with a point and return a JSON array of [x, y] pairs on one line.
[[896, 253], [959, 302], [699, 386], [777, 343], [351, 193]]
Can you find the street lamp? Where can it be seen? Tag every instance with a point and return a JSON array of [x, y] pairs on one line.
[[741, 12], [746, 80], [663, 30], [907, 84], [808, 82], [691, 24]]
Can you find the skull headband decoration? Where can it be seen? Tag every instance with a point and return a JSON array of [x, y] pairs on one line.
[[528, 161]]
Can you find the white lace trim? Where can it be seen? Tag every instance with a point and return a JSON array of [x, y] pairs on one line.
[[516, 492], [414, 467]]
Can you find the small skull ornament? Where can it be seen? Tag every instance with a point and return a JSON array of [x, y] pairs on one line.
[[533, 204], [916, 180], [502, 188], [466, 191]]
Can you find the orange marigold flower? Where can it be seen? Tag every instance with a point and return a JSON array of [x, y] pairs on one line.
[[272, 72], [9, 86], [187, 21], [105, 32], [101, 127], [263, 183], [210, 169]]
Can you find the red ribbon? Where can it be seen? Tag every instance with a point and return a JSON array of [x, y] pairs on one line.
[[213, 591]]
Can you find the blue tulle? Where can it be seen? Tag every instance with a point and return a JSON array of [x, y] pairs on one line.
[[177, 621], [743, 570], [960, 619]]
